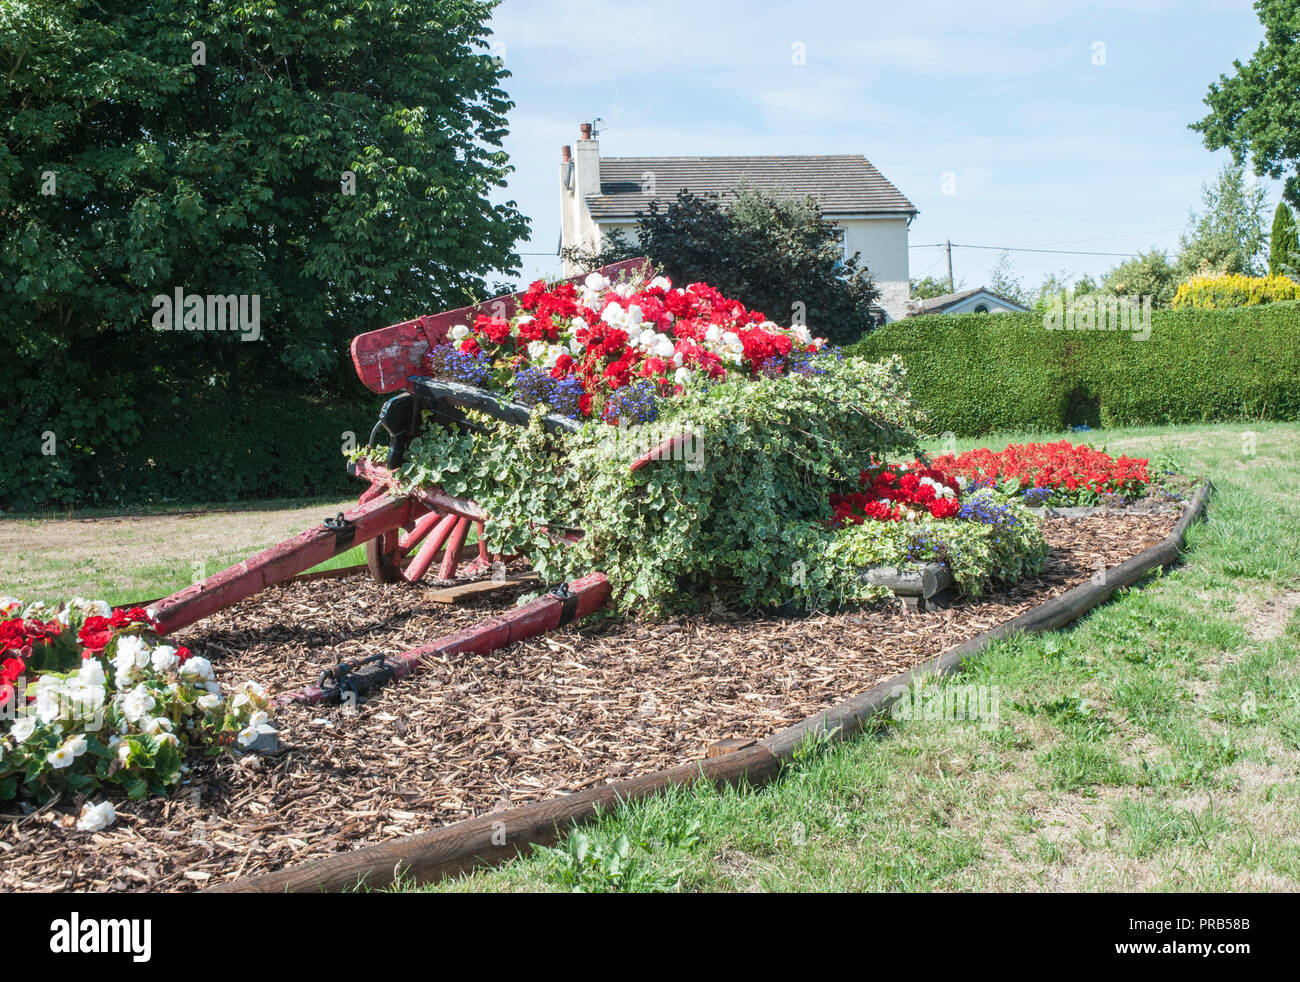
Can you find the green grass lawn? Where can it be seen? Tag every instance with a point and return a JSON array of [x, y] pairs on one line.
[[138, 555], [1153, 746]]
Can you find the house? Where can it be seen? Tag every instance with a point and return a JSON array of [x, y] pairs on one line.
[[974, 301], [599, 195]]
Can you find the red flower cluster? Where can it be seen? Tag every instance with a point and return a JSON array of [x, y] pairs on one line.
[[889, 493], [1060, 466], [606, 339], [17, 638], [96, 632]]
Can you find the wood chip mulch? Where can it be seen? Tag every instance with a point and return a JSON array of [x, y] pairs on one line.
[[595, 701]]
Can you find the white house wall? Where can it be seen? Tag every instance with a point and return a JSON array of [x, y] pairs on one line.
[[881, 241]]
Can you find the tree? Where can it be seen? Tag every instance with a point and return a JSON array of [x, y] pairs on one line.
[[1005, 283], [1255, 112], [1284, 244], [927, 288], [290, 151], [614, 247], [1228, 236], [776, 255], [1148, 274]]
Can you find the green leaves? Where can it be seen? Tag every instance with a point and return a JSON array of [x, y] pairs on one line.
[[672, 536]]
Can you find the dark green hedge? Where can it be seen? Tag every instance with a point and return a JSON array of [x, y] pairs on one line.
[[188, 444], [975, 373]]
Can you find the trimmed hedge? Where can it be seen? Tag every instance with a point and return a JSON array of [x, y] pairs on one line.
[[976, 373], [193, 445]]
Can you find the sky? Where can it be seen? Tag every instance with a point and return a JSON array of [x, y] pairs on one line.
[[1051, 125]]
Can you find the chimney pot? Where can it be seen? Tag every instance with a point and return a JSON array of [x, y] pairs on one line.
[[566, 154], [584, 129]]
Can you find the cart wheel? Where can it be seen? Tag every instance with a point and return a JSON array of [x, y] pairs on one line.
[[396, 556], [382, 558]]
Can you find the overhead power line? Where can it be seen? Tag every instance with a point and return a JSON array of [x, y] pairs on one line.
[[1059, 252]]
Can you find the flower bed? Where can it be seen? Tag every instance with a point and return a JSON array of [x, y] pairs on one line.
[[1053, 473], [775, 423], [611, 351], [92, 696]]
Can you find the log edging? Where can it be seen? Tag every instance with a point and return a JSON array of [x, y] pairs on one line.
[[497, 837]]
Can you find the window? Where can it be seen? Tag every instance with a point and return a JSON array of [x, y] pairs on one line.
[[981, 308]]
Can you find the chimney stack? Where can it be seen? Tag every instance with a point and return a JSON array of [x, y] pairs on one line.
[[566, 154], [584, 131]]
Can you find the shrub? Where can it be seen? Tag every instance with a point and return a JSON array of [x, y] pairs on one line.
[[1215, 292], [744, 520], [973, 374]]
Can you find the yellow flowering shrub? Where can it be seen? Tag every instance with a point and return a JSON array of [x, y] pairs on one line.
[[1213, 291]]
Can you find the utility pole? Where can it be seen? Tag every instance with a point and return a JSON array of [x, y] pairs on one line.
[[948, 244]]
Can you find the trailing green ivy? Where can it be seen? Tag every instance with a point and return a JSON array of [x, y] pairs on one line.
[[737, 516]]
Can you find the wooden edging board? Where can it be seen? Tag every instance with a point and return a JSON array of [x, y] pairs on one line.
[[500, 836]]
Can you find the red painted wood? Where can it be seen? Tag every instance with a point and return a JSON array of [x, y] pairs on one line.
[[277, 564], [425, 497], [424, 558], [451, 558], [482, 546], [664, 451], [408, 542], [386, 357]]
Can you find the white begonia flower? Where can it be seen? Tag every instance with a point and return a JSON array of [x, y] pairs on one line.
[[124, 669], [460, 332], [525, 319], [10, 605], [165, 659], [137, 703], [662, 282], [100, 608], [614, 314], [36, 608], [76, 745], [713, 334], [23, 727], [155, 725], [962, 482], [96, 817], [212, 688], [60, 758], [197, 668], [208, 702], [255, 690], [679, 359], [596, 282], [49, 694], [135, 647], [635, 315], [664, 346], [730, 338], [64, 616], [682, 376], [536, 350], [123, 750], [91, 672], [800, 331], [579, 324]]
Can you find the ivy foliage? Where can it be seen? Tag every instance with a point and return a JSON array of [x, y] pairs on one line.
[[738, 517]]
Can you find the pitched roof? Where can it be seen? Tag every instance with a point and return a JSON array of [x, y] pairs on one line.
[[933, 305], [844, 184]]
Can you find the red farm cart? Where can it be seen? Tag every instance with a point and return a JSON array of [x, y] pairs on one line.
[[405, 533]]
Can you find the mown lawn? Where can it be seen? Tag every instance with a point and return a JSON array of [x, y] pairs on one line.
[[133, 556], [1154, 746]]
